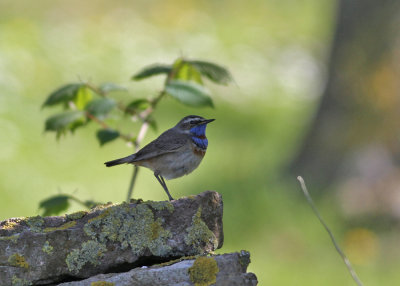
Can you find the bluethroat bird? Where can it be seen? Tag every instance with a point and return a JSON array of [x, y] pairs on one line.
[[176, 152]]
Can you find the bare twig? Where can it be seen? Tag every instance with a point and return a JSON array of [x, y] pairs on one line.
[[132, 183], [338, 249], [142, 133], [139, 138], [145, 115]]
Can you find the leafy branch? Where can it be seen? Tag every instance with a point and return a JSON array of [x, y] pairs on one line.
[[85, 102]]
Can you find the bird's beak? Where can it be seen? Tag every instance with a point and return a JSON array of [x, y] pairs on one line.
[[207, 121]]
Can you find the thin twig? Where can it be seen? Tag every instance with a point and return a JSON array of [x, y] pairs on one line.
[[139, 138], [106, 126], [95, 89], [132, 183], [143, 130], [338, 249], [97, 120], [142, 133]]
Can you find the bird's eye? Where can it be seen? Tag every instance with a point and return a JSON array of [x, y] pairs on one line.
[[194, 122]]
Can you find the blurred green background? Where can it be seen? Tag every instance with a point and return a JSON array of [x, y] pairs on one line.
[[277, 52]]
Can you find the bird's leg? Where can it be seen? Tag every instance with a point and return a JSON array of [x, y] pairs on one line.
[[160, 179]]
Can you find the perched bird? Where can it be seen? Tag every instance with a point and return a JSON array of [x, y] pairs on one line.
[[176, 152]]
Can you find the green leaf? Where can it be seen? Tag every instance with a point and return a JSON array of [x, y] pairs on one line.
[[152, 70], [62, 122], [63, 94], [76, 124], [214, 72], [83, 97], [137, 105], [189, 93], [109, 86], [54, 205], [187, 72], [101, 107], [106, 135]]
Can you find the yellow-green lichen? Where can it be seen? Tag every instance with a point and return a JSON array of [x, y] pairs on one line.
[[130, 226], [47, 248], [100, 216], [76, 215], [244, 258], [156, 229], [103, 206], [203, 271], [159, 206], [35, 223], [90, 252], [198, 234], [62, 227], [12, 238], [9, 225], [19, 282], [18, 261], [102, 283], [171, 262]]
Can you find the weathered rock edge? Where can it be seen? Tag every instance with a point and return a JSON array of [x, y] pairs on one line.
[[221, 270], [43, 250]]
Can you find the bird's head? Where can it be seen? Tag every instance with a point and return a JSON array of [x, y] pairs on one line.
[[193, 124]]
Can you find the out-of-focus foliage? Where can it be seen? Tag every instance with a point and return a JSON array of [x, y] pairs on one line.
[[276, 51], [183, 82]]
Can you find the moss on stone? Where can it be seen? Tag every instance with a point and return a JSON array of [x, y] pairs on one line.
[[18, 261], [76, 215], [102, 283], [19, 282], [133, 227], [62, 227], [35, 223], [47, 248], [90, 252], [204, 271], [199, 234]]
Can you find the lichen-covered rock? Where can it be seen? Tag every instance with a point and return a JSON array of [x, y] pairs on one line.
[[221, 270], [42, 250]]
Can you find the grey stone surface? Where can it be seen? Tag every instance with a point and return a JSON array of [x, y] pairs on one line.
[[110, 238], [221, 270]]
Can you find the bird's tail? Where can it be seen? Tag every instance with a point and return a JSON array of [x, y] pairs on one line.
[[119, 161]]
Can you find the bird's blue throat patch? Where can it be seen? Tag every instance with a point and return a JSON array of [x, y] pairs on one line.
[[199, 136]]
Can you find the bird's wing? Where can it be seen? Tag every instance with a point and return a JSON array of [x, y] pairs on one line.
[[168, 142]]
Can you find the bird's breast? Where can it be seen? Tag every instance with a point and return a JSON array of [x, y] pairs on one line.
[[200, 141], [180, 163], [198, 151]]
